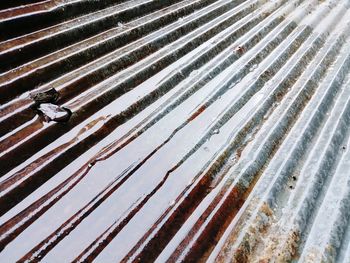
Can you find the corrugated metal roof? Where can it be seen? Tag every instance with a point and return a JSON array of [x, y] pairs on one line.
[[200, 130]]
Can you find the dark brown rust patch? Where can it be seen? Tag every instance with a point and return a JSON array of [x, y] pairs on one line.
[[214, 229], [197, 113], [177, 218], [240, 50], [20, 135], [26, 9]]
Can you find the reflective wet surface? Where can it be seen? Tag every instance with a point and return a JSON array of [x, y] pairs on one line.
[[205, 130]]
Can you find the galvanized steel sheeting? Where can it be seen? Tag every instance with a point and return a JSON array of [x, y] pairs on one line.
[[201, 130]]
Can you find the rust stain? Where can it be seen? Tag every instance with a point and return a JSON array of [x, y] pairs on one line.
[[204, 176], [28, 9], [197, 113]]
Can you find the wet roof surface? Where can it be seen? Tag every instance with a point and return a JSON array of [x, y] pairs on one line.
[[158, 130]]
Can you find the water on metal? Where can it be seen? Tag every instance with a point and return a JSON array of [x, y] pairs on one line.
[[175, 131]]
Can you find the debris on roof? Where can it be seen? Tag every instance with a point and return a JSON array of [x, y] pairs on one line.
[[48, 96], [53, 112]]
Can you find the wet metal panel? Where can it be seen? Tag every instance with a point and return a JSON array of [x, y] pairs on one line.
[[175, 131]]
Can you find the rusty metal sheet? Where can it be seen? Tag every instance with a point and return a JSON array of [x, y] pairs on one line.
[[175, 131]]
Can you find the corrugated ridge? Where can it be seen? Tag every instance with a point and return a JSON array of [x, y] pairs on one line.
[[200, 131]]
